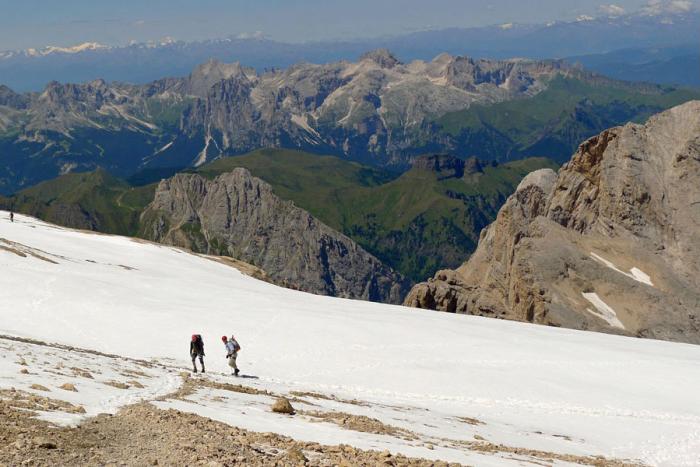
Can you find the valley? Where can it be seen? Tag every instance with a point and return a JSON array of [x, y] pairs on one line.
[[423, 220]]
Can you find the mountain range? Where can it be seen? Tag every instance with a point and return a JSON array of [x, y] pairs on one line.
[[665, 65], [378, 111], [661, 24]]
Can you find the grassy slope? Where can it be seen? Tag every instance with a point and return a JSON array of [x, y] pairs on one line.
[[315, 183], [419, 223], [555, 121], [89, 200]]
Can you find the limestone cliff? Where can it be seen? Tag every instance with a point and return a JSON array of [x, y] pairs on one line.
[[611, 243], [238, 215]]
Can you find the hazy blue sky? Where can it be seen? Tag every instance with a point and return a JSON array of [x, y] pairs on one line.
[[36, 23]]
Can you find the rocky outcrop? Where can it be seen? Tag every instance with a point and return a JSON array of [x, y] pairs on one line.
[[238, 215], [11, 99], [382, 57], [611, 243], [447, 166]]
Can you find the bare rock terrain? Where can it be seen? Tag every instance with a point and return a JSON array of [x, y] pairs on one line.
[[611, 243], [238, 215]]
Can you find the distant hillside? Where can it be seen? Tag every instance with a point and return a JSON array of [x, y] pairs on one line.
[[421, 221], [554, 122], [678, 65], [378, 111], [426, 219], [89, 200]]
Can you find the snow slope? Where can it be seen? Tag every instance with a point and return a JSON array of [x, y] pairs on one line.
[[530, 386]]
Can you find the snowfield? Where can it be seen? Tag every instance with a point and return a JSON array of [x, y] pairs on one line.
[[442, 383]]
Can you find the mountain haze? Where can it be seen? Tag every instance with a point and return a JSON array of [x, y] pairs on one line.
[[661, 25]]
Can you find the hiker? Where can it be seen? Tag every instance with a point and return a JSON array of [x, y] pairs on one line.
[[12, 216], [197, 350], [232, 348]]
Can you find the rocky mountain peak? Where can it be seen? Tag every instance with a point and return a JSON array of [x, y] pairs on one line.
[[213, 71], [543, 179], [444, 165], [382, 57], [64, 96], [12, 99], [216, 70], [611, 243], [238, 215], [443, 59]]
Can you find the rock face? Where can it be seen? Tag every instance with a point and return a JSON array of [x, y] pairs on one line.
[[376, 110], [611, 243], [238, 215], [11, 99], [447, 166]]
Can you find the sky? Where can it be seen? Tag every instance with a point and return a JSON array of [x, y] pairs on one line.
[[38, 23]]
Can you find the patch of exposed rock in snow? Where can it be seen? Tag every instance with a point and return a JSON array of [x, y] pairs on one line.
[[93, 383], [635, 273], [604, 311]]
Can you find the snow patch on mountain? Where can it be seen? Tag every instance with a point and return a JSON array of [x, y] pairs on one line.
[[635, 273], [604, 311], [302, 122]]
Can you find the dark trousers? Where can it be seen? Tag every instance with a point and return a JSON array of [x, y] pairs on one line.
[[201, 360]]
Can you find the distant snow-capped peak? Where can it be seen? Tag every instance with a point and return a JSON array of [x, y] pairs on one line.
[[51, 49]]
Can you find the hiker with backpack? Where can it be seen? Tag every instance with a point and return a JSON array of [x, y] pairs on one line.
[[232, 348], [197, 350]]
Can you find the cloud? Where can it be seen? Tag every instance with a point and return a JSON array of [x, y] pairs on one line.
[[251, 35], [611, 10], [680, 6], [658, 7]]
